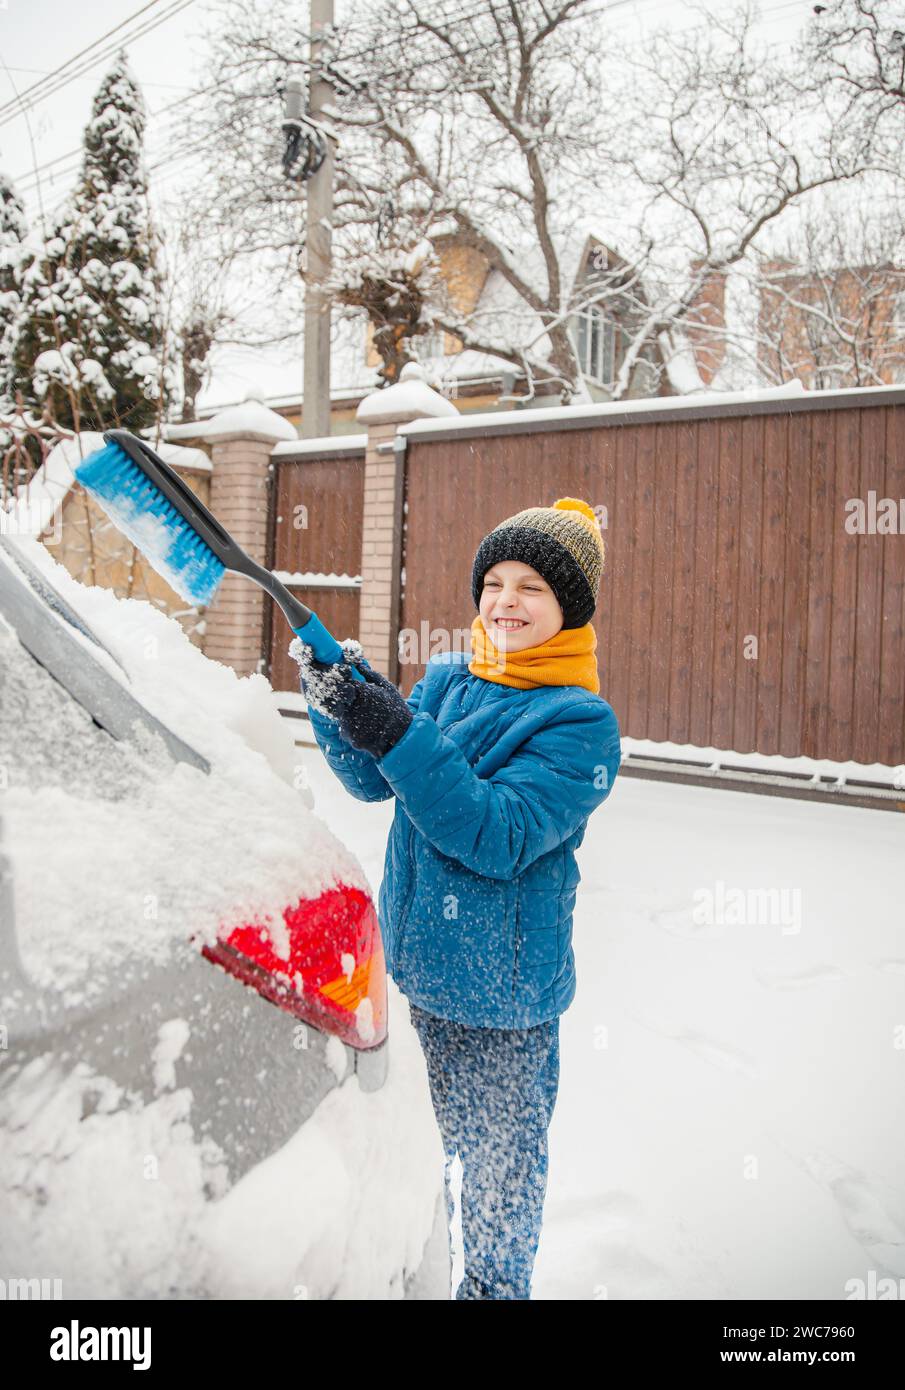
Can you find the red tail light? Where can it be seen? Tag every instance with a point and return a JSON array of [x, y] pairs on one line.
[[335, 975]]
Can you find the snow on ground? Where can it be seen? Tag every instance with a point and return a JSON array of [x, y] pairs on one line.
[[729, 1121]]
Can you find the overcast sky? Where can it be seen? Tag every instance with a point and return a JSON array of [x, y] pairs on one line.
[[39, 36]]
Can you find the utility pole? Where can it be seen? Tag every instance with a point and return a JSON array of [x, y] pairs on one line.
[[319, 208]]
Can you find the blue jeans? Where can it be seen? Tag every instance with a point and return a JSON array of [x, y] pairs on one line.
[[493, 1092]]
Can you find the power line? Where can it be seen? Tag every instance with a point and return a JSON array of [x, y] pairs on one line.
[[11, 109], [176, 6], [174, 158], [457, 18], [454, 16], [26, 180], [374, 50], [488, 9], [180, 156], [187, 149], [45, 72], [55, 71], [93, 62]]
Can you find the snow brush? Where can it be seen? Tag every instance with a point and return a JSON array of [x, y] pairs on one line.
[[147, 500]]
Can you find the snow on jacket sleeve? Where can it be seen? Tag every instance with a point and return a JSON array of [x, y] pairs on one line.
[[358, 771], [498, 825]]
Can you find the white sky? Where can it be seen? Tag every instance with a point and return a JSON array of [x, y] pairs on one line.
[[39, 36]]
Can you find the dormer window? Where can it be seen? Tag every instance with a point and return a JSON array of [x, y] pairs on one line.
[[595, 344]]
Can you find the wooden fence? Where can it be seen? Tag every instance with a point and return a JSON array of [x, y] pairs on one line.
[[738, 609], [316, 507]]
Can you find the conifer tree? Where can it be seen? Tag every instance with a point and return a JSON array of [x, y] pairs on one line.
[[38, 328], [14, 258], [90, 340]]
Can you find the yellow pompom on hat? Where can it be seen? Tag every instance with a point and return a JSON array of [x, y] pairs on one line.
[[563, 543]]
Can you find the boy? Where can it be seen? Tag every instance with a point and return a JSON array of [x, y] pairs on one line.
[[496, 763]]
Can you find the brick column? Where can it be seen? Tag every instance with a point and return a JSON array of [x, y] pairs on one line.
[[411, 398], [241, 438], [380, 547]]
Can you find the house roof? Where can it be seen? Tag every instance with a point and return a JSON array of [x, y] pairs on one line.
[[500, 314]]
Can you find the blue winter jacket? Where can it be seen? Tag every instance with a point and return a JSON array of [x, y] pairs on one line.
[[493, 787]]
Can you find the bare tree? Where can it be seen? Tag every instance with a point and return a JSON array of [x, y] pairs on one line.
[[831, 301], [220, 294], [854, 58], [498, 130]]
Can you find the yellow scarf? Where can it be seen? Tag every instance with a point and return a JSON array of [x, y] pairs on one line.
[[568, 658]]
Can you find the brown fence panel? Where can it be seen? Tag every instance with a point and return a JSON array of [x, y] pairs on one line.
[[891, 711], [844, 590], [736, 611], [327, 493]]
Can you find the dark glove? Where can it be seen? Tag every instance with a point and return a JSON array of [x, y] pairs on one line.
[[372, 715], [319, 680]]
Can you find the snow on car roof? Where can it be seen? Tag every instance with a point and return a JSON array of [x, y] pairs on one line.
[[119, 854]]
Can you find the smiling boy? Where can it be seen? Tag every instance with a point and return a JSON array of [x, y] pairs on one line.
[[518, 608], [496, 762]]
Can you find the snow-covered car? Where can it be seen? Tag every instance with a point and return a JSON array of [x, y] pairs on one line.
[[195, 1096]]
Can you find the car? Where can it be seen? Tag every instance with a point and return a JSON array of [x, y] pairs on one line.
[[196, 1097]]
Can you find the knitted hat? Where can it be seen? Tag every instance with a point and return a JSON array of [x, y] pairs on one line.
[[563, 543]]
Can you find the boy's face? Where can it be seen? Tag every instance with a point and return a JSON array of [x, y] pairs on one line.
[[514, 590]]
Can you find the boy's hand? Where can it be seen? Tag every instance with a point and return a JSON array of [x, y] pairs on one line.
[[320, 680], [372, 715]]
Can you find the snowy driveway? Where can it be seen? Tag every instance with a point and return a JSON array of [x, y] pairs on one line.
[[730, 1120]]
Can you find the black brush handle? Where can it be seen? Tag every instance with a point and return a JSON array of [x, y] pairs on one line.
[[305, 623]]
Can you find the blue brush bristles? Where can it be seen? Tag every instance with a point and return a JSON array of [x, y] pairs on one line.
[[142, 512]]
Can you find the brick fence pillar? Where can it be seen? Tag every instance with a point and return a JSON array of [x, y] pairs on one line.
[[411, 398], [241, 438]]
